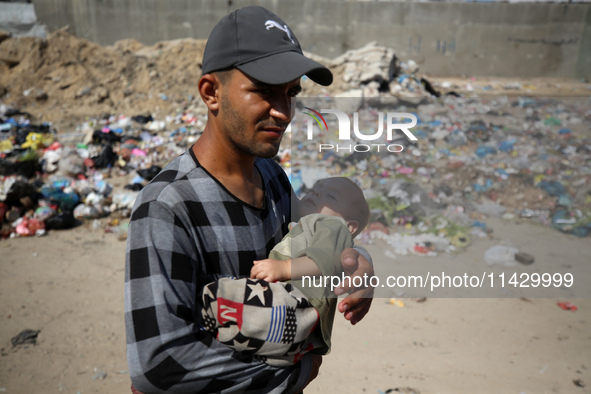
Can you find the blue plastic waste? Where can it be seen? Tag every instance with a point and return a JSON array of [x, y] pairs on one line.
[[484, 150], [563, 221], [482, 188], [502, 172], [420, 134], [572, 222], [66, 201], [478, 224], [507, 145], [553, 188], [581, 231], [565, 201]]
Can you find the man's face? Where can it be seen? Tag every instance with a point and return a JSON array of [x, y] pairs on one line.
[[254, 115]]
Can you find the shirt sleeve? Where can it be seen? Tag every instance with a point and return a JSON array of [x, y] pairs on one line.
[[328, 237], [166, 349], [362, 251]]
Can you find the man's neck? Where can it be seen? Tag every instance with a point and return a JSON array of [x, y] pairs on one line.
[[235, 170]]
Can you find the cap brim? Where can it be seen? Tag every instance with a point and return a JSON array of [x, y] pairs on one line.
[[285, 67]]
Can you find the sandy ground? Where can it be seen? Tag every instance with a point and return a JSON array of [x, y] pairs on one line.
[[69, 285]]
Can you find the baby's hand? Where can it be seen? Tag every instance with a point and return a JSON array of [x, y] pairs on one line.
[[271, 270]]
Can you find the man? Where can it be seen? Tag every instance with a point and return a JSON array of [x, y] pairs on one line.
[[214, 210]]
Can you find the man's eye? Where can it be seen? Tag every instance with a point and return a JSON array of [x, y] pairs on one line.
[[331, 196]]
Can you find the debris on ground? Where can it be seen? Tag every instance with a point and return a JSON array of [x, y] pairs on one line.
[[25, 337]]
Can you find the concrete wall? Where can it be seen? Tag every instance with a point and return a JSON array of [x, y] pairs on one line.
[[447, 39], [19, 19]]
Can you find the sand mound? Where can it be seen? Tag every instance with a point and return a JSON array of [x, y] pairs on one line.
[[68, 77]]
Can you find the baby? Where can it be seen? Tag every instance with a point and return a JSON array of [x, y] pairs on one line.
[[286, 319]]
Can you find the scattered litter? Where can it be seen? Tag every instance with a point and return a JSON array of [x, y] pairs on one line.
[[396, 302], [567, 306], [579, 383], [25, 337], [99, 375], [501, 255], [524, 258], [402, 390]]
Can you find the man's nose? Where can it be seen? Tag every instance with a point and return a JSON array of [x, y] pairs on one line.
[[281, 108]]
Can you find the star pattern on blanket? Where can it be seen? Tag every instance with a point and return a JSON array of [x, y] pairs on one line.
[[242, 346], [257, 291]]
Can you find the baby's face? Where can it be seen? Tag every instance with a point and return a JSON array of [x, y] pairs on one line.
[[332, 196]]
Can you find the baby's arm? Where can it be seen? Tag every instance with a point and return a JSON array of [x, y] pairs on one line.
[[272, 270]]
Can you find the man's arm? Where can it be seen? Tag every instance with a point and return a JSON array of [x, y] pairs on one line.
[[167, 351]]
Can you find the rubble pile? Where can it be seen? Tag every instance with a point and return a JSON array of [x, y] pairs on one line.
[[375, 69], [371, 71], [64, 79]]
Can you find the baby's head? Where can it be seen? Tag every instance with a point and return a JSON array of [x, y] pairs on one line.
[[341, 197]]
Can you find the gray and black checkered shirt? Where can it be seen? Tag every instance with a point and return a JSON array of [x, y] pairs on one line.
[[187, 230]]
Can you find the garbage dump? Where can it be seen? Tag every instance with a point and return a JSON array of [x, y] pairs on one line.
[[520, 159], [80, 136]]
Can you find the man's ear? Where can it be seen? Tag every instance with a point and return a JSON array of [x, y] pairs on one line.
[[209, 85], [353, 225]]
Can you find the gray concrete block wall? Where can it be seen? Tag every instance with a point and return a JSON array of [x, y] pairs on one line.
[[447, 39]]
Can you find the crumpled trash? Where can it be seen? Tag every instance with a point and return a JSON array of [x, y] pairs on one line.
[[61, 221], [22, 165], [29, 226], [524, 258], [507, 145], [36, 141], [71, 164], [484, 150], [83, 211], [488, 184], [490, 208], [501, 255], [25, 337], [567, 306], [553, 188], [66, 201], [124, 200], [149, 173], [572, 221]]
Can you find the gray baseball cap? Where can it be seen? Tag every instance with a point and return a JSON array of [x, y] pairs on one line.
[[261, 45]]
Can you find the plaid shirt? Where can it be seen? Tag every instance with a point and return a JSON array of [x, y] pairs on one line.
[[188, 230]]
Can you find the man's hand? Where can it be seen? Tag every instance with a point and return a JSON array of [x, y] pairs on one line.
[[357, 303]]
